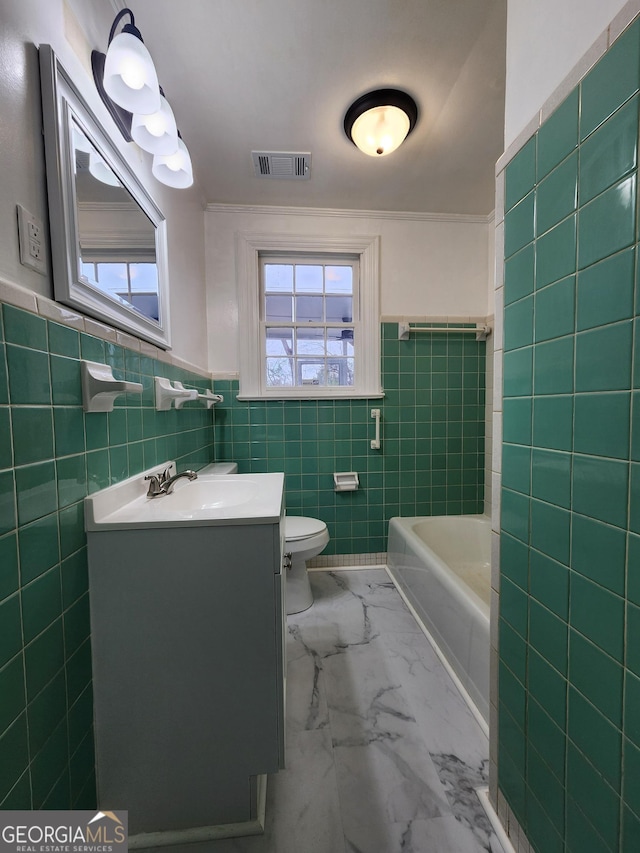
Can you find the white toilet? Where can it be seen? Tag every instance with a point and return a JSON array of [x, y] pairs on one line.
[[305, 538]]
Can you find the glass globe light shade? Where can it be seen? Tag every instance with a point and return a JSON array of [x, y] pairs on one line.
[[380, 130], [174, 170], [157, 132], [130, 77]]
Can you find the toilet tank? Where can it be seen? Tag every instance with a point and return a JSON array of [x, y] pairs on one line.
[[220, 468]]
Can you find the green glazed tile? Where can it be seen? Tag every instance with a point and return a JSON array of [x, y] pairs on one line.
[[516, 421], [549, 584], [78, 672], [4, 382], [76, 624], [556, 253], [635, 422], [548, 636], [546, 788], [634, 508], [554, 310], [28, 376], [553, 422], [49, 764], [633, 579], [518, 324], [547, 739], [515, 514], [6, 447], [7, 502], [511, 739], [80, 719], [72, 479], [551, 477], [10, 629], [92, 349], [98, 476], [609, 83], [631, 772], [520, 174], [512, 695], [118, 463], [631, 705], [601, 425], [39, 548], [519, 272], [636, 353], [512, 785], [46, 712], [547, 687], [597, 676], [519, 226], [75, 580], [598, 614], [43, 658], [556, 195], [516, 468], [633, 638], [630, 831], [41, 603], [9, 581], [558, 136], [24, 329], [598, 552], [117, 420], [14, 753], [36, 491], [513, 651], [600, 489], [65, 381], [514, 560], [96, 430], [604, 358], [63, 340], [32, 434], [607, 224], [553, 370], [610, 153], [605, 291], [517, 372], [598, 802], [580, 833], [550, 530], [12, 691], [68, 423]]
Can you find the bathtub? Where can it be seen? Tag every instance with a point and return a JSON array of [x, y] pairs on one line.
[[442, 566]]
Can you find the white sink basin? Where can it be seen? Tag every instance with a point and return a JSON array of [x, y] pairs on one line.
[[208, 500]]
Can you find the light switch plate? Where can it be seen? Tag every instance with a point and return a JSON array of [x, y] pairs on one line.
[[31, 240]]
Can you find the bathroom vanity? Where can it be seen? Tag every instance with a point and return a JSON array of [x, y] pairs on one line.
[[187, 627]]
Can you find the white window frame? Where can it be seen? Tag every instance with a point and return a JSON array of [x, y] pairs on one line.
[[249, 248]]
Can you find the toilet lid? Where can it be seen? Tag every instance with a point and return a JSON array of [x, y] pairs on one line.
[[300, 527]]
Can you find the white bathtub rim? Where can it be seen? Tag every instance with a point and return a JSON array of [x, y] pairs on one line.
[[464, 693]]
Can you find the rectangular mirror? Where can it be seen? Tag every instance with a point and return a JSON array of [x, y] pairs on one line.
[[108, 237]]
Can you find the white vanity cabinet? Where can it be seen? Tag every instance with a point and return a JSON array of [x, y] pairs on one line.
[[187, 622]]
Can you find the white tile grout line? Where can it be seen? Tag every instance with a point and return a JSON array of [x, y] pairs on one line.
[[498, 828]]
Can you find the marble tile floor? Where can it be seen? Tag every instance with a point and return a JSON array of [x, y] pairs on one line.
[[383, 755]]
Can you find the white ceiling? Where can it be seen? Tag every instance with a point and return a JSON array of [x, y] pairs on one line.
[[278, 75]]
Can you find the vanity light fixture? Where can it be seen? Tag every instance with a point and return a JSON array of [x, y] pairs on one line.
[[127, 82], [379, 122]]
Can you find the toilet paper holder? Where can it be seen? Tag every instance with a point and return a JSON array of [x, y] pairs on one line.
[[346, 481]]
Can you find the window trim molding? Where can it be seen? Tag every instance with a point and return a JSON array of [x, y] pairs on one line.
[[248, 249]]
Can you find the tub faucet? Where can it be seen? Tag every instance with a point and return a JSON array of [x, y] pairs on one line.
[[162, 483]]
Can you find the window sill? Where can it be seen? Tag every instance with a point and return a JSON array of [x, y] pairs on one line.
[[375, 395]]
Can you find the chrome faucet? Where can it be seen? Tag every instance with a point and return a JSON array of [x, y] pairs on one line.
[[162, 483]]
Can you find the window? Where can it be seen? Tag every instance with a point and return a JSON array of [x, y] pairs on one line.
[[133, 284], [309, 317]]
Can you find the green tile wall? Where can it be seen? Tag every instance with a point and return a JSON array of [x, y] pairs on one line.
[[432, 456], [569, 695], [51, 456]]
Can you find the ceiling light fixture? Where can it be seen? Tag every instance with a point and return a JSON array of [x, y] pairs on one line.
[[127, 82], [379, 122]]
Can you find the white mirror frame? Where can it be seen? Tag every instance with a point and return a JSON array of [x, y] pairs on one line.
[[62, 103]]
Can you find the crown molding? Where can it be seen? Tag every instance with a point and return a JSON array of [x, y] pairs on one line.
[[339, 213]]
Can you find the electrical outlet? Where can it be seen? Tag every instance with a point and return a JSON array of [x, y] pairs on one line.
[[31, 240]]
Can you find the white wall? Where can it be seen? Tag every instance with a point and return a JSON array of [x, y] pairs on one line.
[[72, 33], [428, 266], [545, 40]]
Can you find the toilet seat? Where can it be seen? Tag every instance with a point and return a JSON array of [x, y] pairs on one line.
[[297, 527]]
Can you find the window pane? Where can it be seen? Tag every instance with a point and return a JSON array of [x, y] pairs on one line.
[[339, 309], [311, 371], [308, 278], [310, 341], [340, 372], [113, 278], [88, 271], [279, 341], [146, 304], [309, 309], [278, 308], [279, 372], [278, 278], [340, 342], [144, 278], [338, 280]]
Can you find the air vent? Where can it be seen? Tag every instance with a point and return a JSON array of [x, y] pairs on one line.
[[287, 165]]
